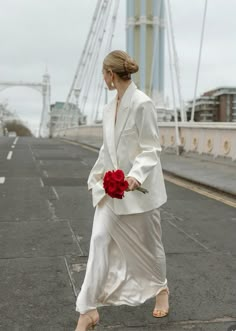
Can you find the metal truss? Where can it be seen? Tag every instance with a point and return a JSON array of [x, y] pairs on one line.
[[87, 85], [44, 89]]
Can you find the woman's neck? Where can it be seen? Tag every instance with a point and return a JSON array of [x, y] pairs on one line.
[[121, 88]]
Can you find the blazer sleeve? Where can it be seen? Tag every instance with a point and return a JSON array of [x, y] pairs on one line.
[[148, 140], [97, 171]]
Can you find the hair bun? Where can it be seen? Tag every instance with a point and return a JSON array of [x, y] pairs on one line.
[[120, 63], [131, 66]]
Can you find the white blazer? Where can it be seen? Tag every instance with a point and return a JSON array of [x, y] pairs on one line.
[[132, 144]]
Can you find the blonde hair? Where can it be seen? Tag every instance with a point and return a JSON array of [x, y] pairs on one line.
[[121, 63]]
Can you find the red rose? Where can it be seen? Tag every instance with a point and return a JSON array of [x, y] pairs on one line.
[[115, 184], [112, 186], [122, 186], [118, 175], [108, 175]]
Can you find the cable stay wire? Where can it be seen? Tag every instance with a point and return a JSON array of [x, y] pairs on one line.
[[177, 141], [199, 61], [176, 62], [61, 121], [94, 59], [155, 46], [107, 49], [85, 65]]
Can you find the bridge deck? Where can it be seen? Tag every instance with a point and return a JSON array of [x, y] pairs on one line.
[[45, 226]]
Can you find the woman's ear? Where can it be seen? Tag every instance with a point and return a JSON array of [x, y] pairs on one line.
[[111, 73]]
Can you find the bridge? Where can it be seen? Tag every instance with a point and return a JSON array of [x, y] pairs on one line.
[[46, 213], [44, 88], [190, 127]]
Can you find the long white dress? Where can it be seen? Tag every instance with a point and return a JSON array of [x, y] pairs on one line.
[[126, 263]]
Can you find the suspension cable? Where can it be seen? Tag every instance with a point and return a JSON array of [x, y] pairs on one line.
[[173, 88], [107, 49], [156, 44], [199, 61], [61, 119], [97, 47], [176, 63]]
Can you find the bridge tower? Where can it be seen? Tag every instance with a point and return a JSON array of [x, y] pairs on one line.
[[44, 126], [44, 89], [146, 44]]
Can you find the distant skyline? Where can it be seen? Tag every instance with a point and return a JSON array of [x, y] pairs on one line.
[[37, 34]]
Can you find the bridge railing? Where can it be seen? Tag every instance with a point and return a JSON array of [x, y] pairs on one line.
[[215, 139]]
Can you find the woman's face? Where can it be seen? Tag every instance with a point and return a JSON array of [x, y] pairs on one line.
[[108, 76]]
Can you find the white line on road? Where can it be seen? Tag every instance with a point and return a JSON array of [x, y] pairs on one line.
[[13, 146], [9, 156], [15, 141], [71, 278], [55, 192], [45, 173], [2, 180], [84, 163], [93, 149], [208, 192], [41, 182], [191, 237]]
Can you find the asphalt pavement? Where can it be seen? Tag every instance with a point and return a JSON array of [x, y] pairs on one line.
[[46, 219]]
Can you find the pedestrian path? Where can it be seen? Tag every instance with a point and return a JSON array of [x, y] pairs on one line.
[[217, 173]]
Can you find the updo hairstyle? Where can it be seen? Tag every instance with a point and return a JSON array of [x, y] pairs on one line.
[[120, 63]]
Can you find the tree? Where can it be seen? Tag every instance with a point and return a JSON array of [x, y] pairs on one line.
[[18, 127]]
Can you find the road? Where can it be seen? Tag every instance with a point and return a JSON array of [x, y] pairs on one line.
[[45, 226]]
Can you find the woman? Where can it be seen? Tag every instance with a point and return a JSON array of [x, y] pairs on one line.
[[126, 263]]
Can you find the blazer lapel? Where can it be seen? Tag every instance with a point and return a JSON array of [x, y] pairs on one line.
[[109, 126], [123, 112]]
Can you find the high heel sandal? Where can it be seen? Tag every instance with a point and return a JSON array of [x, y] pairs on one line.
[[161, 312], [93, 323]]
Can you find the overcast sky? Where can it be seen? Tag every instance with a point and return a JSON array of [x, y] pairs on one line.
[[39, 33]]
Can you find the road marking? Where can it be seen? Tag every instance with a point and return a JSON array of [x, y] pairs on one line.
[[45, 173], [93, 149], [9, 156], [41, 182], [15, 141], [13, 146], [75, 238], [201, 190], [189, 236], [70, 277], [2, 180], [84, 163], [55, 192]]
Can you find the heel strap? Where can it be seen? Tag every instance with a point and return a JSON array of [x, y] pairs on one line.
[[91, 319], [165, 290], [93, 322]]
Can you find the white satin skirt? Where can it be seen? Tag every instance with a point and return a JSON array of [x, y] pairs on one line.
[[126, 263]]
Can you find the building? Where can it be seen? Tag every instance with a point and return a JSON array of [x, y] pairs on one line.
[[218, 105], [73, 116]]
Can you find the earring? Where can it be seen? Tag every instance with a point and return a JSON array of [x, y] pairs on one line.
[[112, 84]]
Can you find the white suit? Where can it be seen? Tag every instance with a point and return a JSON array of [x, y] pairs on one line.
[[133, 146], [126, 263]]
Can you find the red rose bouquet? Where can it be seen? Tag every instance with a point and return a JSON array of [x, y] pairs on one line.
[[115, 184]]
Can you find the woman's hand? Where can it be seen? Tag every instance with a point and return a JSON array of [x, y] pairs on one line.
[[133, 183]]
